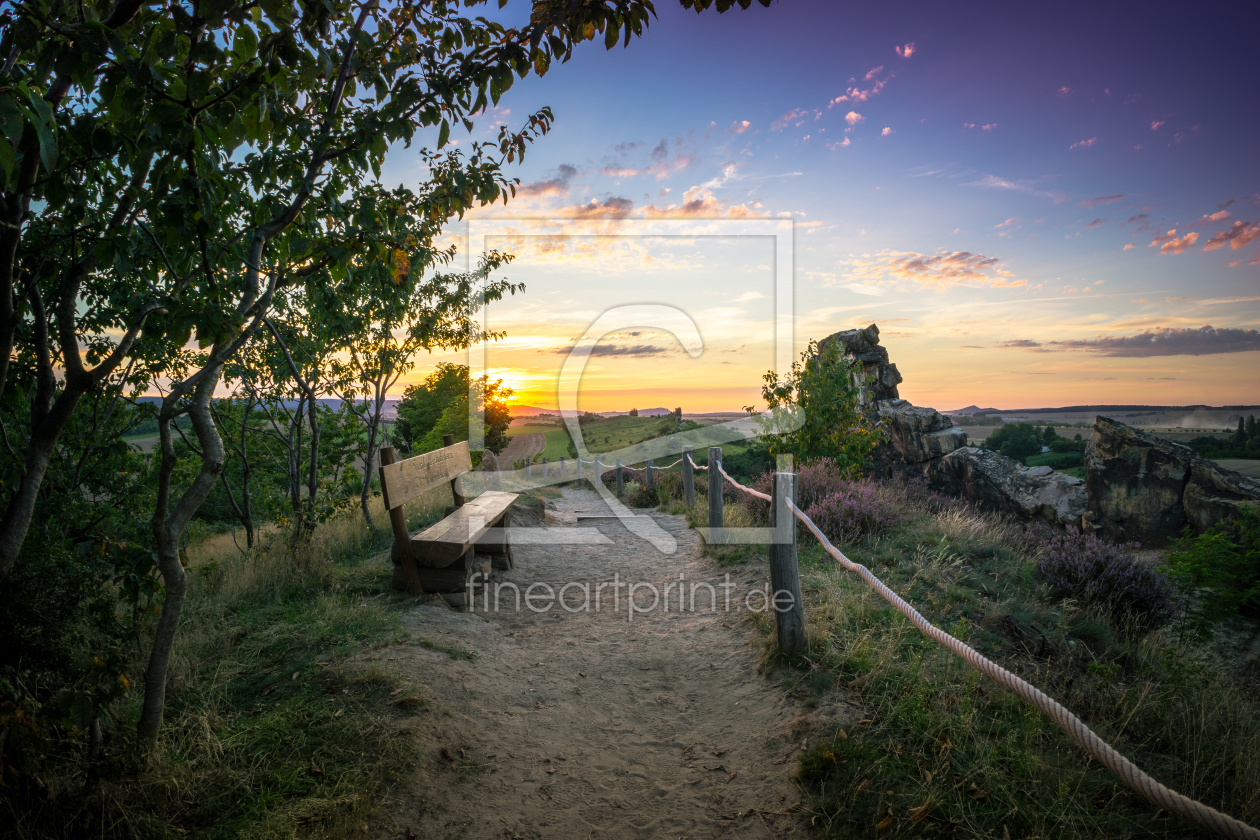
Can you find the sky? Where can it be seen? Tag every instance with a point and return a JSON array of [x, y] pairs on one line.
[[1039, 206]]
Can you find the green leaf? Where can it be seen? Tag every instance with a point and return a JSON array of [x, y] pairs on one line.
[[43, 127], [7, 159], [11, 120], [444, 133]]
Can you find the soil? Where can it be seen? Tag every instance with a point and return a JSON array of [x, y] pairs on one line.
[[522, 447], [590, 725]]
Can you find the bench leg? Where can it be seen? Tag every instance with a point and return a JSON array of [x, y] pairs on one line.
[[410, 574]]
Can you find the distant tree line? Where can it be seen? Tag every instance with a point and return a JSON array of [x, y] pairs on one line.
[[1243, 443]]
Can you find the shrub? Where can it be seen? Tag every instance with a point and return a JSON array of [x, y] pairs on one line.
[[669, 486], [1110, 577], [1056, 460], [861, 510], [1222, 566]]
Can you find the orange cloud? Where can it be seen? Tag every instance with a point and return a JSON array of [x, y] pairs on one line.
[[855, 94], [1169, 243], [942, 269], [559, 185], [1127, 247], [739, 127], [906, 51], [853, 118], [887, 131], [1083, 143], [872, 73], [1155, 125], [1237, 235]]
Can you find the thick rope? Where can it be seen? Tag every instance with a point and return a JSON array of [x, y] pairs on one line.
[[694, 465], [747, 490], [1127, 771]]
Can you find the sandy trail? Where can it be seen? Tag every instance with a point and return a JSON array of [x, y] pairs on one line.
[[589, 725], [522, 447]]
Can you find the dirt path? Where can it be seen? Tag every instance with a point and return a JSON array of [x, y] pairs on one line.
[[522, 447], [589, 725]]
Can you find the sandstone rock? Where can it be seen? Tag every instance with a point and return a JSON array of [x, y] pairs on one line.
[[1144, 488], [876, 378], [919, 434], [996, 482]]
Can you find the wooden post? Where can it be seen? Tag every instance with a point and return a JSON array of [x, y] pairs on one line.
[[578, 462], [599, 473], [651, 475], [529, 469], [785, 576], [715, 492], [562, 468], [546, 470], [689, 477], [621, 486], [402, 540]]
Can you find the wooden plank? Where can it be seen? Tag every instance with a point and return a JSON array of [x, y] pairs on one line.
[[407, 479], [446, 541]]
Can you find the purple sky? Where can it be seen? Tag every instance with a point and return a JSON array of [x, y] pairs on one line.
[[1039, 205]]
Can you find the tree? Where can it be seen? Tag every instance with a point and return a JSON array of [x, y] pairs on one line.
[[634, 412], [488, 399], [813, 412], [1049, 435], [423, 403], [1015, 440]]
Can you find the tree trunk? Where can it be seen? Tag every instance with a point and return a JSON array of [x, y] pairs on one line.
[[169, 524]]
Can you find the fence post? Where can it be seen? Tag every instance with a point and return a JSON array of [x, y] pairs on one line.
[[529, 469], [715, 492], [546, 470], [785, 576], [562, 471], [398, 523], [621, 485], [577, 462], [599, 472], [689, 477], [651, 475]]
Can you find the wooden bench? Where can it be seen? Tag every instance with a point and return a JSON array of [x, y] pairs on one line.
[[472, 538]]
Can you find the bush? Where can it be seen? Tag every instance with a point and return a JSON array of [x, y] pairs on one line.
[[1110, 577], [1015, 440], [1222, 566], [1056, 460], [861, 510]]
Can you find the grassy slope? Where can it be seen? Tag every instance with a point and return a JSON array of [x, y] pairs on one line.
[[557, 439], [938, 749], [283, 718]]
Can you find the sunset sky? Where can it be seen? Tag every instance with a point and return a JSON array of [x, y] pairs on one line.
[[1039, 207]]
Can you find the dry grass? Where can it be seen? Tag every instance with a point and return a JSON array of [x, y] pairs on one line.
[[940, 749], [274, 727]]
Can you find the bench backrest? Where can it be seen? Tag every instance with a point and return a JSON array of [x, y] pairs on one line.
[[402, 481]]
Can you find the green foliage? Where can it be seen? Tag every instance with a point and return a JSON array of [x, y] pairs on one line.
[[813, 411], [1055, 460], [1221, 567], [1243, 443], [488, 397], [1015, 440], [423, 403]]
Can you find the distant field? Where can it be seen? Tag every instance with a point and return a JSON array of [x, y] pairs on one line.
[[1249, 468], [557, 439]]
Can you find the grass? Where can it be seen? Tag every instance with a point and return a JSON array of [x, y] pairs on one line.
[[557, 440], [935, 749], [283, 717]]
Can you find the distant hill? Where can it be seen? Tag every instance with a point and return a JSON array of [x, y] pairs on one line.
[[531, 410], [971, 409], [643, 412]]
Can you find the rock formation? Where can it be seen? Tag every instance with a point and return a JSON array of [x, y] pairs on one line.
[[1136, 487], [1148, 489], [996, 482], [876, 378]]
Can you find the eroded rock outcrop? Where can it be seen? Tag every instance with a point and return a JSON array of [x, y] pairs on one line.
[[876, 378], [996, 482], [919, 434], [1148, 489]]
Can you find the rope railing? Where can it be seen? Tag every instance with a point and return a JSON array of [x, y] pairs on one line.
[[1076, 729]]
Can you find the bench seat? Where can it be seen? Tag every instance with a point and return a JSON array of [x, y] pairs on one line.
[[441, 544]]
